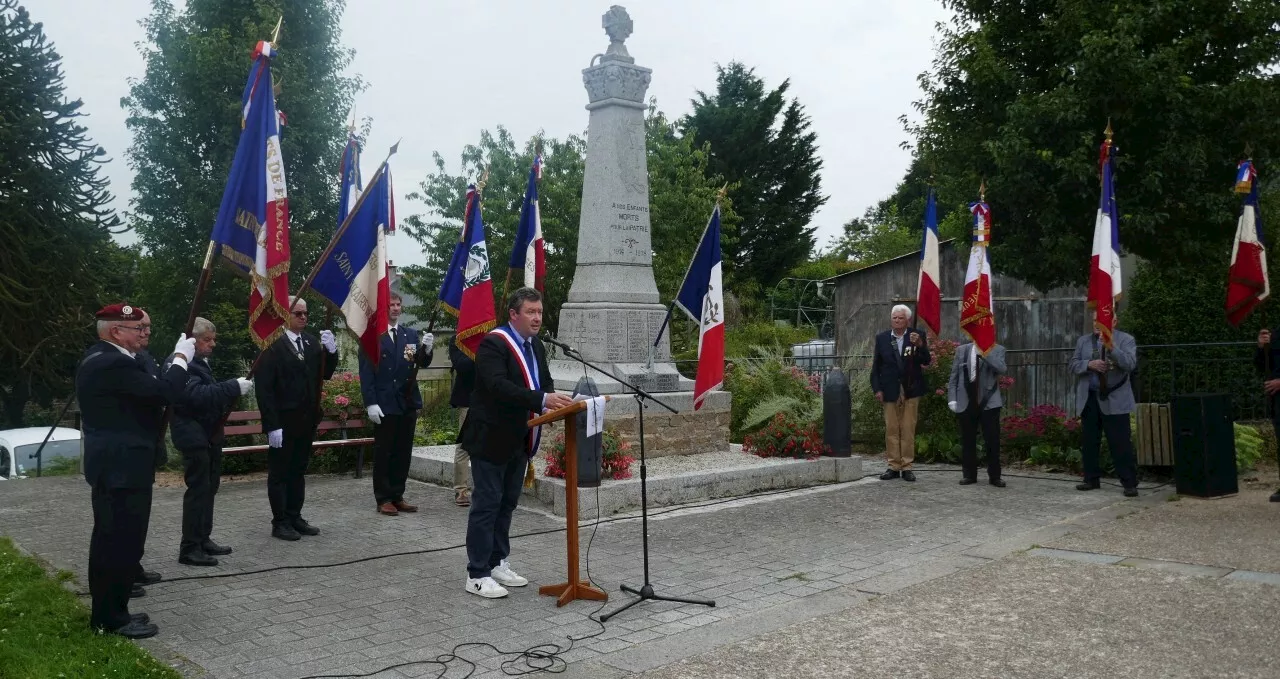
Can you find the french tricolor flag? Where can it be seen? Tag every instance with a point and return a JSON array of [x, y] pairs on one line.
[[929, 288], [1104, 266], [1247, 280], [529, 253], [701, 297], [977, 305]]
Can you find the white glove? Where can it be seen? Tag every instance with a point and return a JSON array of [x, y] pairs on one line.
[[185, 349], [275, 439], [375, 413], [428, 339], [245, 385], [955, 407], [329, 341]]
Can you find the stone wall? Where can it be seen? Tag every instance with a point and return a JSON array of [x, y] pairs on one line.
[[676, 434]]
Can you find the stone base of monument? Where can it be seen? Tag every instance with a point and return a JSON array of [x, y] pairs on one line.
[[672, 480], [685, 432]]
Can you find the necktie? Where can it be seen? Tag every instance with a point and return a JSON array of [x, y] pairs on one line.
[[301, 350], [528, 358], [973, 364]]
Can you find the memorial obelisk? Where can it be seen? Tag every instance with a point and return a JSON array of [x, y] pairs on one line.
[[613, 311]]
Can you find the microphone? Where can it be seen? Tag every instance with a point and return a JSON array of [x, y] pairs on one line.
[[558, 343]]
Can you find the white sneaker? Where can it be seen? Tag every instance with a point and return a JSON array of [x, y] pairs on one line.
[[486, 587], [505, 576]]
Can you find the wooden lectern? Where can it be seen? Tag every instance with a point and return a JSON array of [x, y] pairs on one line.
[[573, 588]]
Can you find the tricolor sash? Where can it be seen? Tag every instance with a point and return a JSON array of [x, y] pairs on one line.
[[530, 374]]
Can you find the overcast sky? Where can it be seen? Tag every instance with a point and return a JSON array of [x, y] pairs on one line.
[[440, 72]]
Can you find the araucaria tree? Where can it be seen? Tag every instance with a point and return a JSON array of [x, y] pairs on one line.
[[185, 118], [58, 263]]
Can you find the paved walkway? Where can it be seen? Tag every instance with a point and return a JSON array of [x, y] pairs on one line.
[[768, 561]]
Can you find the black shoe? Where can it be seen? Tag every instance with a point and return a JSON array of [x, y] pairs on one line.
[[285, 532], [137, 592], [136, 630], [148, 578], [889, 475], [1088, 485], [1275, 497], [909, 476], [197, 558], [305, 528], [998, 483], [140, 618], [214, 549], [966, 481], [1131, 492]]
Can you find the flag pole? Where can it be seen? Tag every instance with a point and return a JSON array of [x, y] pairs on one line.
[[333, 243], [724, 191]]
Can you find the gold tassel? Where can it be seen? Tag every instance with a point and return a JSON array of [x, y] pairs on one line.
[[528, 475]]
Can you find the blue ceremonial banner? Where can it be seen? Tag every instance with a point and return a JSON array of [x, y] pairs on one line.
[[252, 227], [354, 277]]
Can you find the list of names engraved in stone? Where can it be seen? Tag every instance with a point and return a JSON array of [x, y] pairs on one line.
[[616, 335]]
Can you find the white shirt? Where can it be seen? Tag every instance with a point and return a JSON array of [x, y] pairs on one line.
[[391, 331], [293, 337], [899, 339], [124, 351]]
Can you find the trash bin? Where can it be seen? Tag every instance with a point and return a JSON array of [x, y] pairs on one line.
[[836, 414]]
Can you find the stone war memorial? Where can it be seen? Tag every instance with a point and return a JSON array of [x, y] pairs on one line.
[[613, 312]]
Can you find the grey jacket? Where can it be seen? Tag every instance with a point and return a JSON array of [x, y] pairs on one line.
[[990, 368], [1123, 361]]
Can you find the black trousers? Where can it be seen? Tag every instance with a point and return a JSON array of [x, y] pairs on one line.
[[970, 421], [393, 450], [287, 466], [120, 517], [1119, 439], [497, 488], [203, 470]]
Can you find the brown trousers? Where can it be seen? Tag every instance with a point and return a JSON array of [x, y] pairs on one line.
[[900, 432]]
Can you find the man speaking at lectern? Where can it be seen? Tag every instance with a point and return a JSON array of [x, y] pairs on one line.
[[513, 385]]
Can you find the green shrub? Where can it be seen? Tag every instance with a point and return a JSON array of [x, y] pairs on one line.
[[765, 386]]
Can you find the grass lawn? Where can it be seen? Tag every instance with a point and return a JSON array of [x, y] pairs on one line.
[[44, 629]]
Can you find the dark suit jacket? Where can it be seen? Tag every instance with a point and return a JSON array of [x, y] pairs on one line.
[[148, 363], [388, 385], [891, 372], [501, 404], [285, 385], [464, 376], [199, 409], [122, 408]]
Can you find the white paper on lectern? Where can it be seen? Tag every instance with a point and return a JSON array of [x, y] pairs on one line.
[[595, 414]]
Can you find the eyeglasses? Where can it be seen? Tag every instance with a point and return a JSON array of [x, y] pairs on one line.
[[300, 314], [139, 328]]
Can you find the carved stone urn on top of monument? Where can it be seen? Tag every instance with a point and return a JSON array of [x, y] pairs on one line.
[[613, 311]]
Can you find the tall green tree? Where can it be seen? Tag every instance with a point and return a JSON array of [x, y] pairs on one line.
[[185, 118], [682, 193], [58, 264], [1020, 94], [762, 143]]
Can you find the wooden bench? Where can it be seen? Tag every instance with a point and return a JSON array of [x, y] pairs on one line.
[[250, 422]]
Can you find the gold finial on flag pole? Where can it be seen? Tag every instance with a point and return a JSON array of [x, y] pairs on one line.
[[724, 191], [275, 35], [484, 179], [982, 190], [1108, 132]]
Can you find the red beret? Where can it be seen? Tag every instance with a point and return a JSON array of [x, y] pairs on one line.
[[120, 312]]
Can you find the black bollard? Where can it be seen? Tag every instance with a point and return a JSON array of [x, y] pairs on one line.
[[836, 415], [590, 449]]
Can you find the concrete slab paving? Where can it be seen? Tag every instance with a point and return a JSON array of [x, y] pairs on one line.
[[1024, 616], [1242, 531]]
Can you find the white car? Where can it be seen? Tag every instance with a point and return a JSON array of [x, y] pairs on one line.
[[18, 448]]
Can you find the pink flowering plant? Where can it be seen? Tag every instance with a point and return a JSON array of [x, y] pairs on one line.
[[340, 397], [784, 436], [1021, 429], [615, 463]]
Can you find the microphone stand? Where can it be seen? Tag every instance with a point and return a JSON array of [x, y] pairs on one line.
[[645, 592]]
